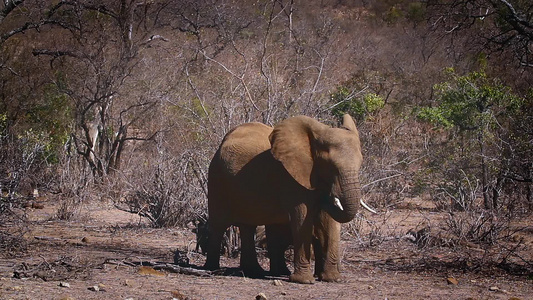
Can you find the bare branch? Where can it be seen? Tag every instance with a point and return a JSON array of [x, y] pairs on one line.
[[54, 53], [240, 78]]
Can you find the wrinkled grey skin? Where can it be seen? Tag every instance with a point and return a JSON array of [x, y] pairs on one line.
[[326, 239], [284, 175]]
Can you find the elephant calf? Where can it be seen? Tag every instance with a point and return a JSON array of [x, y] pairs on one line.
[[285, 175]]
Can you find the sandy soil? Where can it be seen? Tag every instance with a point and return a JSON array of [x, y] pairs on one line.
[[98, 256]]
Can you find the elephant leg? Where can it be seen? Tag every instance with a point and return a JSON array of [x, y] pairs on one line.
[[249, 263], [278, 240], [326, 248], [302, 233], [215, 235], [318, 252]]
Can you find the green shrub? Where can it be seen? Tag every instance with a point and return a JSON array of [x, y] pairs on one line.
[[416, 12], [361, 108], [477, 113]]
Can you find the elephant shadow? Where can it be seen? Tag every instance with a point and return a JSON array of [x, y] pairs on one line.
[[181, 259], [283, 239]]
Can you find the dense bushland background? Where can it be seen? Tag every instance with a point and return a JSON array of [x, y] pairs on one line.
[[126, 101]]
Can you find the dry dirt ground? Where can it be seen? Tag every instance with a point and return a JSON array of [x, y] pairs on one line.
[[99, 255]]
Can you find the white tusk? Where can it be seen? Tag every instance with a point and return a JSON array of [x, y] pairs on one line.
[[337, 203], [367, 207]]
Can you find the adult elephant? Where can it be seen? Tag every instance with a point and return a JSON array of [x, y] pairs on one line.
[[287, 174]]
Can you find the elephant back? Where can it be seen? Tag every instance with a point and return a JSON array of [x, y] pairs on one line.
[[242, 144]]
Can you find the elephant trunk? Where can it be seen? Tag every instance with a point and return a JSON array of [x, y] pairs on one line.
[[344, 208]]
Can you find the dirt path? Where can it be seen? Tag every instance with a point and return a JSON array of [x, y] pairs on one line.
[[94, 258]]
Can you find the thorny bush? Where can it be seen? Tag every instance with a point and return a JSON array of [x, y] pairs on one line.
[[172, 194]]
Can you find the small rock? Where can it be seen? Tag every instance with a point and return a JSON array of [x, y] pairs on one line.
[[41, 274], [284, 293], [452, 280], [94, 288], [178, 295], [261, 296], [128, 282], [35, 205], [494, 289], [64, 284], [371, 287], [277, 282], [85, 239]]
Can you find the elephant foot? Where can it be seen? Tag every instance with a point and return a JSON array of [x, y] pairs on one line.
[[211, 265], [253, 271], [306, 278], [280, 271], [331, 276]]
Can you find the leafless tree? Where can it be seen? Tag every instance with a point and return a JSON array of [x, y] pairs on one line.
[[501, 24], [100, 55]]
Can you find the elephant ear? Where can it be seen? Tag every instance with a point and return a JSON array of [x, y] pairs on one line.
[[348, 123], [292, 144]]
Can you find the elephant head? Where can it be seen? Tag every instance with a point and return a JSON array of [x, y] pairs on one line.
[[322, 158]]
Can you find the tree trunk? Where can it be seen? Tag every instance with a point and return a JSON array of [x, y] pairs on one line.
[[484, 175], [529, 183]]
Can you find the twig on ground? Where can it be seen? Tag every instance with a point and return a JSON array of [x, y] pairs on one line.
[[169, 267]]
